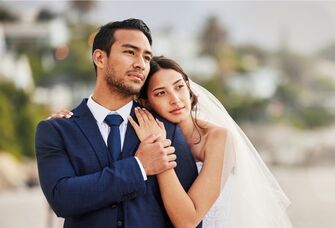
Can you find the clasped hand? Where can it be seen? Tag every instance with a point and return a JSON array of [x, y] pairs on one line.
[[155, 151]]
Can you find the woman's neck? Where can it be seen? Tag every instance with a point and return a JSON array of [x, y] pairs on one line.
[[189, 130], [195, 136]]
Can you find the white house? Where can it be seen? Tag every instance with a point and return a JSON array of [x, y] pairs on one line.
[[27, 31], [2, 42], [185, 50], [16, 70], [260, 83]]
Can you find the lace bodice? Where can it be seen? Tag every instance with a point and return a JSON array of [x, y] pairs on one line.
[[218, 215]]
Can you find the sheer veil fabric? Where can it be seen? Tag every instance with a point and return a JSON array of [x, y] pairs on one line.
[[250, 196]]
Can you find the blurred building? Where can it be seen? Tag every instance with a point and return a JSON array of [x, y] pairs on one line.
[[62, 96], [325, 71], [14, 68], [2, 42], [260, 83], [28, 30], [28, 34], [186, 51], [17, 70]]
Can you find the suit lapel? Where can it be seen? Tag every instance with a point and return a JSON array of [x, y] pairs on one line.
[[87, 123], [131, 140]]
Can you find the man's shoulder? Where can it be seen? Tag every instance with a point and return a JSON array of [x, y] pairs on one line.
[[56, 123], [59, 122]]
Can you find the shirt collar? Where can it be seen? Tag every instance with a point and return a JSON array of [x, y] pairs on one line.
[[100, 112]]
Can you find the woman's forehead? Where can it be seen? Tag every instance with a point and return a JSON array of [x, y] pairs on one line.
[[165, 77]]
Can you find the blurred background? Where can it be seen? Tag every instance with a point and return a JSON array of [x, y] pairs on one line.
[[272, 64]]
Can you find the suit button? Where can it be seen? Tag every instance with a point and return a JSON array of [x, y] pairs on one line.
[[114, 205], [119, 223]]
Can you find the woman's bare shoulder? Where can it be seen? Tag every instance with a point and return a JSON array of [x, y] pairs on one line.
[[216, 141], [213, 130], [217, 134]]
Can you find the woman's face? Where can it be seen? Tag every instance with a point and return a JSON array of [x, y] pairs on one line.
[[168, 95]]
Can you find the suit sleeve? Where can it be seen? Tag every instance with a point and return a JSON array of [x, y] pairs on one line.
[[71, 195]]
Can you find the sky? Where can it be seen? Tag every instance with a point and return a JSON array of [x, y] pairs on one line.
[[306, 27]]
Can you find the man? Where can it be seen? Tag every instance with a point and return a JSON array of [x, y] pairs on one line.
[[84, 174]]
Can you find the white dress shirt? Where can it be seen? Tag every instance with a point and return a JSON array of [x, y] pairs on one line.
[[99, 112]]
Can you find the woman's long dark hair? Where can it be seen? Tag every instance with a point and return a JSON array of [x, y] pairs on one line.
[[161, 62]]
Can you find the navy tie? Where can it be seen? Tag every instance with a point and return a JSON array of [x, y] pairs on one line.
[[114, 139]]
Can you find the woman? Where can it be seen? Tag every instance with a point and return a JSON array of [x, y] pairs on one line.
[[167, 92], [234, 188]]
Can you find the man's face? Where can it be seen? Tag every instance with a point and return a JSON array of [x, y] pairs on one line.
[[129, 62]]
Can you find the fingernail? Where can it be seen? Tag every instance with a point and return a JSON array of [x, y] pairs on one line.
[[68, 116]]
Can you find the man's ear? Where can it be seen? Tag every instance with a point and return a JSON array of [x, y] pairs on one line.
[[99, 58]]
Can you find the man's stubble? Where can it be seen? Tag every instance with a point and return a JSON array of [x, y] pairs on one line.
[[119, 84]]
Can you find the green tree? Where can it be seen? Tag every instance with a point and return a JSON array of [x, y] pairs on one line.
[[311, 117], [212, 38], [80, 10], [288, 94], [6, 15], [77, 66], [45, 15], [82, 7], [18, 120], [240, 107], [7, 127]]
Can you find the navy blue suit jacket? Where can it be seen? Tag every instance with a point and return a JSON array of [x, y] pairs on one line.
[[82, 183]]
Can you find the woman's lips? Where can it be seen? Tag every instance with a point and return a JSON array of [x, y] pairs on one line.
[[177, 110]]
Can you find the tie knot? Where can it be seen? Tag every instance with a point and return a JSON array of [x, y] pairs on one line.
[[113, 120]]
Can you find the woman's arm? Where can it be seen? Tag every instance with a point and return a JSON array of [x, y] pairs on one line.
[[186, 209]]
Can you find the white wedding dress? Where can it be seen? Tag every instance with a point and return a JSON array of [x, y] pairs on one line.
[[218, 215], [250, 196]]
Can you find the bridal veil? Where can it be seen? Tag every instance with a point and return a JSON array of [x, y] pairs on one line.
[[251, 196]]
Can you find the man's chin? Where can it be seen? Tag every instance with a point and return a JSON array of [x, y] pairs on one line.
[[135, 89], [130, 90]]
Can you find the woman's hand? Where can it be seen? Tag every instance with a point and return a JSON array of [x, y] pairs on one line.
[[147, 125], [61, 114]]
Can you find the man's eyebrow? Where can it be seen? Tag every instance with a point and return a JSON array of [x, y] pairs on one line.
[[136, 48]]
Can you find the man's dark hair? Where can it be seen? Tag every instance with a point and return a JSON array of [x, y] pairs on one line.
[[104, 39]]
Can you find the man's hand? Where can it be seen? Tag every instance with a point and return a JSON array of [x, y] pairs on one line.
[[156, 155]]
